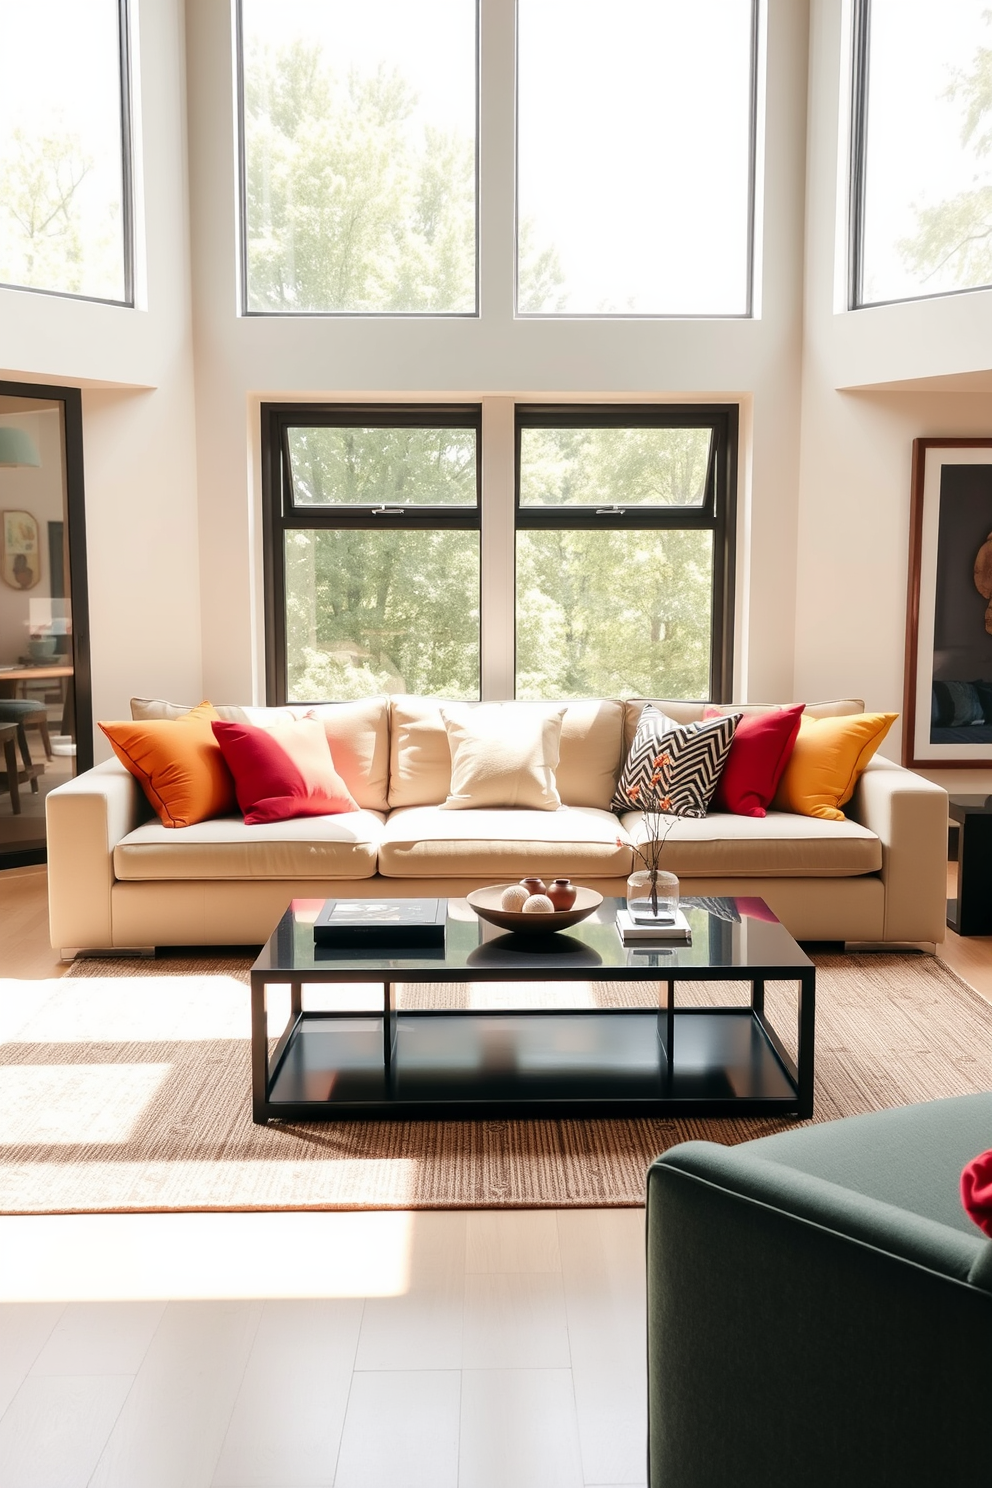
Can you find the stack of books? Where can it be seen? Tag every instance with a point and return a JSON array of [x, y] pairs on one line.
[[676, 931]]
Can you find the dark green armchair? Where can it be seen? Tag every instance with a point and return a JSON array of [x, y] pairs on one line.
[[820, 1307]]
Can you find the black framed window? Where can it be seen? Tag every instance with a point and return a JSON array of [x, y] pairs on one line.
[[65, 149], [372, 551], [359, 157], [624, 551], [921, 152]]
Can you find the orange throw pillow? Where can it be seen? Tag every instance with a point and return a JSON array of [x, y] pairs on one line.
[[179, 765], [827, 762]]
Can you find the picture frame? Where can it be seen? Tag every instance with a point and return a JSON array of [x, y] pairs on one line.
[[948, 678], [20, 550]]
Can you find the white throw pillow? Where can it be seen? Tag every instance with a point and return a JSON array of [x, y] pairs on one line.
[[503, 755]]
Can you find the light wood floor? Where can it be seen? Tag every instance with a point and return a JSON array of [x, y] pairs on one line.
[[483, 1349]]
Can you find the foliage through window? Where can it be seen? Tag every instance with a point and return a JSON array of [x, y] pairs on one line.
[[624, 551], [373, 552], [623, 570], [922, 149], [64, 148], [359, 156]]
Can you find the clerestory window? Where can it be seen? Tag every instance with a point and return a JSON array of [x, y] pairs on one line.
[[65, 166], [358, 157], [921, 165]]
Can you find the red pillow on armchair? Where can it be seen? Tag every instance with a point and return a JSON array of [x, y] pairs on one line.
[[976, 1191], [758, 756], [283, 771]]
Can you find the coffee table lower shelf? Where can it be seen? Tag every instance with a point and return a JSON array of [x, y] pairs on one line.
[[430, 1064]]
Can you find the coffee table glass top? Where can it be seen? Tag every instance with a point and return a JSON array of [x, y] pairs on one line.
[[736, 934]]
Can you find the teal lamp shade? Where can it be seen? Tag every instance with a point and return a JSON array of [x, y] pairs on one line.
[[17, 447]]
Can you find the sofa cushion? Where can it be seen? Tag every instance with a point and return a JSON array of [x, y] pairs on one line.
[[758, 756], [425, 842], [420, 757], [779, 845], [327, 847], [282, 771], [684, 712], [502, 757], [178, 764], [674, 767], [827, 761], [357, 733]]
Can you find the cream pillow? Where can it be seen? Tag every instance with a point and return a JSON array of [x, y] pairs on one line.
[[502, 755]]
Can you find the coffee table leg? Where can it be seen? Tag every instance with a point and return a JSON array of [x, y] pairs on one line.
[[758, 995], [388, 1025], [804, 1061], [259, 1053]]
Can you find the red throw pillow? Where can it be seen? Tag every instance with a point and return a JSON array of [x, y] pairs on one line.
[[976, 1191], [758, 756], [283, 771]]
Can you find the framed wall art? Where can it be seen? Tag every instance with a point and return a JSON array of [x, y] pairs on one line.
[[948, 688], [20, 556]]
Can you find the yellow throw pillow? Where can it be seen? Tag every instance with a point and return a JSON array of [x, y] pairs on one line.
[[179, 765], [827, 761], [503, 755]]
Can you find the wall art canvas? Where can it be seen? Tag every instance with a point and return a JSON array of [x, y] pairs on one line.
[[948, 697], [20, 558]]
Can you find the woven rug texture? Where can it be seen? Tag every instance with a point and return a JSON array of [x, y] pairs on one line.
[[126, 1086]]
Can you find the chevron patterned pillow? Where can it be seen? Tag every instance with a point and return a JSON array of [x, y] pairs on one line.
[[696, 755]]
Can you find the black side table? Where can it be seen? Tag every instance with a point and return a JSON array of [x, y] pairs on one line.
[[971, 912]]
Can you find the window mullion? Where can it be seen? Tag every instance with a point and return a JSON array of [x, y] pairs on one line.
[[498, 564]]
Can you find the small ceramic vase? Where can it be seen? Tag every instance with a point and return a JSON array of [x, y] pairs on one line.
[[533, 885], [562, 893]]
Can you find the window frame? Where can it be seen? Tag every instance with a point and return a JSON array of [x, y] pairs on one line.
[[242, 190], [717, 514], [127, 178], [280, 515], [752, 190]]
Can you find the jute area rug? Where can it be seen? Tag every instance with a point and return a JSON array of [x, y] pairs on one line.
[[126, 1086]]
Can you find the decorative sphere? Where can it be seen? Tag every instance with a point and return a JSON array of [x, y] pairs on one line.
[[515, 897], [538, 904]]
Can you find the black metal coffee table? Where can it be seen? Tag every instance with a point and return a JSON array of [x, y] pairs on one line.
[[654, 1059]]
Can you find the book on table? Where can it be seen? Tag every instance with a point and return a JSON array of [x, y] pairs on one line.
[[643, 932], [349, 924]]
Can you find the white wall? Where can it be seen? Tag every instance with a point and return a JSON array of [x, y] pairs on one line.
[[854, 487], [240, 361], [136, 371], [830, 401]]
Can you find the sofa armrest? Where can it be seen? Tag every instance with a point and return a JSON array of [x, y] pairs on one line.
[[86, 819], [909, 816]]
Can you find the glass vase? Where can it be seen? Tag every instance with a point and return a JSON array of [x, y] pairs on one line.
[[652, 895]]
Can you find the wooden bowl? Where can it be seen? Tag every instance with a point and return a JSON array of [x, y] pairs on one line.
[[486, 904]]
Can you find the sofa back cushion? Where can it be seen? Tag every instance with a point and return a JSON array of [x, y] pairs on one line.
[[357, 733], [420, 756], [683, 712]]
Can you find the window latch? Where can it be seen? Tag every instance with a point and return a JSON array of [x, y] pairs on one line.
[[387, 511], [610, 511]]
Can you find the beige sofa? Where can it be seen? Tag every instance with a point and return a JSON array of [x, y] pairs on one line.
[[117, 878]]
